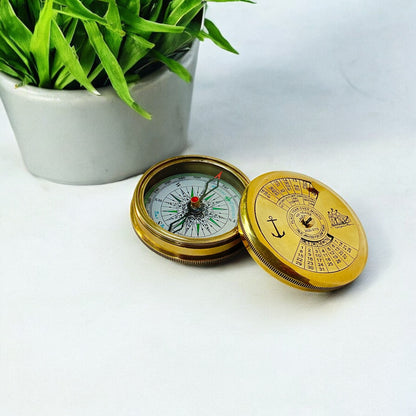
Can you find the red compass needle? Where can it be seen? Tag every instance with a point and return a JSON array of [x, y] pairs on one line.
[[205, 191]]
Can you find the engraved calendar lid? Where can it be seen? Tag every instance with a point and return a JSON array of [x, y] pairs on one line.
[[301, 231]]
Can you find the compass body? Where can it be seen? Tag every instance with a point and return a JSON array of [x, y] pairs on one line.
[[186, 208]]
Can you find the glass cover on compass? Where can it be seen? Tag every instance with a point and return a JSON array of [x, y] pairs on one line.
[[194, 205], [186, 208]]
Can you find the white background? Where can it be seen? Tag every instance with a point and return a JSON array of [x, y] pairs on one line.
[[94, 323]]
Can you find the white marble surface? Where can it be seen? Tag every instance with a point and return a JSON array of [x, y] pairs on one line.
[[93, 323]]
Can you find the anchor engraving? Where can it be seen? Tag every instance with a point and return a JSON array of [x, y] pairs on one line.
[[273, 220]]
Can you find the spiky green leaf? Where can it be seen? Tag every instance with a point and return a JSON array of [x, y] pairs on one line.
[[173, 65], [112, 67], [69, 58], [40, 43]]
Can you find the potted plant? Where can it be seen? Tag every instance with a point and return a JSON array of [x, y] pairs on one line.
[[80, 81]]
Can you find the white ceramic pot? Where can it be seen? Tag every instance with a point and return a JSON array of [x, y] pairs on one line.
[[77, 138]]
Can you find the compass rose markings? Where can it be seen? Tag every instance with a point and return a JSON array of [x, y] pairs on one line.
[[173, 205], [175, 197], [214, 222]]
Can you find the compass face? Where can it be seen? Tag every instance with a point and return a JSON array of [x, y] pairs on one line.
[[194, 205], [186, 208]]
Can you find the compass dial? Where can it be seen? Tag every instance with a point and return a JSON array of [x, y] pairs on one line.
[[186, 208], [176, 205]]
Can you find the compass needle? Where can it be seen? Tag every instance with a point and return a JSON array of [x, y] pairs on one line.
[[215, 179], [173, 227]]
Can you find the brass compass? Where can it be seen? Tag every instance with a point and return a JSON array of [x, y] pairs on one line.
[[199, 209], [186, 208]]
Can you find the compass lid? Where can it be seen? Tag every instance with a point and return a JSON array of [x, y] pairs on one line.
[[301, 231]]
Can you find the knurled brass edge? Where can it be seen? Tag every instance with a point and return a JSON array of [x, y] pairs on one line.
[[266, 259], [188, 255], [275, 272]]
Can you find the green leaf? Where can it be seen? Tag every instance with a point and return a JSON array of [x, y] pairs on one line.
[[112, 68], [113, 37], [96, 72], [86, 55], [215, 35], [40, 43], [69, 58], [63, 78], [146, 7], [173, 65], [69, 31], [175, 3], [133, 6], [4, 67], [184, 8], [14, 28], [14, 70], [76, 8], [169, 44], [22, 7], [70, 28], [155, 11], [18, 67], [34, 11], [135, 48], [228, 1], [139, 25], [13, 50]]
